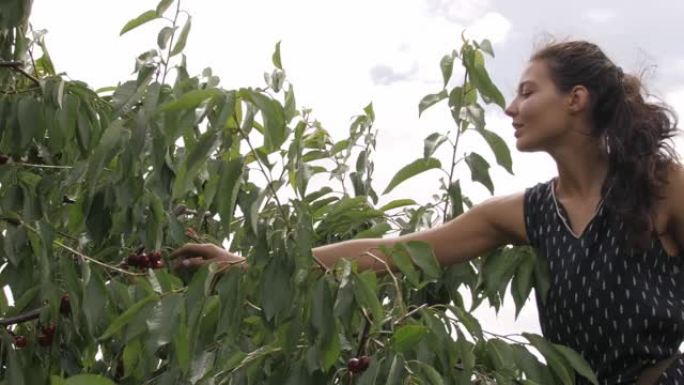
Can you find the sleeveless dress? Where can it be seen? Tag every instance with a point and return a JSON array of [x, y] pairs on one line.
[[620, 308]]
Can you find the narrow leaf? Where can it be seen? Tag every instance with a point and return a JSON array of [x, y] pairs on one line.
[[182, 38], [578, 363], [416, 167], [430, 100], [127, 316], [140, 20], [500, 149], [479, 170]]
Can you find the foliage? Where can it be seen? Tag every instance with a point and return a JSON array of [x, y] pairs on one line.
[[93, 184]]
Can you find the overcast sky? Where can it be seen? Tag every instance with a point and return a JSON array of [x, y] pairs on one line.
[[342, 55]]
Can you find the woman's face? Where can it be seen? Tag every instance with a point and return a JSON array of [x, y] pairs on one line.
[[539, 112]]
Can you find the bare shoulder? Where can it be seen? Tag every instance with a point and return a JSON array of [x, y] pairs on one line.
[[506, 214]]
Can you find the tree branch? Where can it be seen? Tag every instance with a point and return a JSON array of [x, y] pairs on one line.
[[16, 65], [28, 316]]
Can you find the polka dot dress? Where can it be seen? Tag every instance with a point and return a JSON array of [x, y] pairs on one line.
[[620, 308]]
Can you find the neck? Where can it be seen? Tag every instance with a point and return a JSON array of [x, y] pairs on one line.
[[582, 168]]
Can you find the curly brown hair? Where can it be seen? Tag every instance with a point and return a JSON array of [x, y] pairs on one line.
[[637, 132]]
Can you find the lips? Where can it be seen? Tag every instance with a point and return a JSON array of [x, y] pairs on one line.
[[517, 128]]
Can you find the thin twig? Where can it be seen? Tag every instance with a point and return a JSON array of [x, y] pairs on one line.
[[16, 65], [412, 312], [168, 52], [394, 278], [28, 316], [453, 155], [83, 256]]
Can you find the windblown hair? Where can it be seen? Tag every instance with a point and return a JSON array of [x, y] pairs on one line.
[[637, 132]]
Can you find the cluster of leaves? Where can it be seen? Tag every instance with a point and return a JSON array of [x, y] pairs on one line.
[[93, 177]]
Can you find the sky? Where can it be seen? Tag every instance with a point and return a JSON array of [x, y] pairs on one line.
[[342, 55]]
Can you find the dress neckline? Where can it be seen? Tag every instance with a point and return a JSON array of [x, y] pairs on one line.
[[562, 212]]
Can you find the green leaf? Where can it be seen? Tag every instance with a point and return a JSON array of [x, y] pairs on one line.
[[522, 281], [182, 344], [190, 100], [486, 46], [88, 379], [182, 38], [164, 36], [140, 20], [376, 231], [542, 275], [500, 149], [275, 130], [229, 186], [470, 322], [431, 373], [553, 358], [424, 257], [408, 336], [447, 66], [163, 6], [31, 119], [479, 170], [276, 292], [276, 57], [416, 167], [396, 371], [366, 296], [430, 100], [578, 363], [483, 83], [534, 370], [456, 198], [127, 316], [402, 260], [194, 162], [397, 203], [432, 143]]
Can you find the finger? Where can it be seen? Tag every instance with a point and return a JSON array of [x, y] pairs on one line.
[[190, 250], [189, 263]]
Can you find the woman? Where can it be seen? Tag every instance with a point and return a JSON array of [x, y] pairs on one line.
[[611, 224]]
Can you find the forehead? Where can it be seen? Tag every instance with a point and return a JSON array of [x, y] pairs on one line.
[[535, 72]]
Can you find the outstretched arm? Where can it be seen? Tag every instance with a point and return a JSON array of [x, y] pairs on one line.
[[496, 222]]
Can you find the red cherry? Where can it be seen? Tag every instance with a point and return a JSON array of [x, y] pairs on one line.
[[158, 264], [353, 365], [44, 340], [49, 330], [65, 304], [133, 260], [3, 159], [155, 255], [20, 341], [364, 361], [144, 261]]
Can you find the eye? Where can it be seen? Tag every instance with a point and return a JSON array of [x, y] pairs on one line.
[[525, 94]]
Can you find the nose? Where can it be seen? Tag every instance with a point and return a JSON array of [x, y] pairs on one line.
[[511, 110]]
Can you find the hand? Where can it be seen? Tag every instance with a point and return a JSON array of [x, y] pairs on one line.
[[195, 255]]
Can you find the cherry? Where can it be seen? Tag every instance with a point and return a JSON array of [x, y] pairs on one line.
[[45, 340], [158, 264], [364, 361], [65, 304], [20, 341], [353, 365], [133, 260], [3, 159]]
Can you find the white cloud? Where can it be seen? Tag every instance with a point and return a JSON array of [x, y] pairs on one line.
[[459, 10], [600, 15], [493, 26]]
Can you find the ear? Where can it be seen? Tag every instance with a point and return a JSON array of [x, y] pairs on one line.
[[578, 99]]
